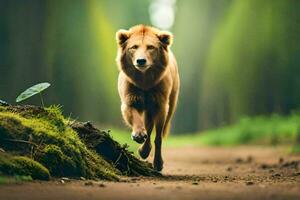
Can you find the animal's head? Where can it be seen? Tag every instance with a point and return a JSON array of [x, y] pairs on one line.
[[143, 47]]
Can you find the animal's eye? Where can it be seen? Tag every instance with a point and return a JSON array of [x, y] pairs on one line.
[[150, 47], [134, 47]]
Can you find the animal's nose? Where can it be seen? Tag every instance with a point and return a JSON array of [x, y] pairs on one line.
[[141, 61]]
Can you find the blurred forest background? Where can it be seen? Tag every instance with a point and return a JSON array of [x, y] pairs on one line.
[[237, 58]]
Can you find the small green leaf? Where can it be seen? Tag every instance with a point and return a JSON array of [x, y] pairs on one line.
[[32, 91]]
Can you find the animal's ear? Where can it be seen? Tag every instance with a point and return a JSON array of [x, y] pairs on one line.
[[165, 37], [121, 36]]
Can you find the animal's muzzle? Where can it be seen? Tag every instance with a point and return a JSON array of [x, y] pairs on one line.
[[141, 62]]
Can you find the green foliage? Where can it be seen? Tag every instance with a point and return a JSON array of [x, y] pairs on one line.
[[239, 58], [251, 68], [36, 89], [84, 58], [43, 134], [271, 130], [33, 90]]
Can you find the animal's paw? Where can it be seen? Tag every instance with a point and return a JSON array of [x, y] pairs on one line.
[[139, 136], [145, 150], [158, 164]]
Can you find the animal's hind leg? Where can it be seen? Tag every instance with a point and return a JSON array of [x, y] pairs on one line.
[[159, 125], [145, 149]]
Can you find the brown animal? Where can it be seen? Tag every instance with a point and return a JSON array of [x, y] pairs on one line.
[[148, 85]]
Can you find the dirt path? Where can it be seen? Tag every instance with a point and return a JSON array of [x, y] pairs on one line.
[[190, 173]]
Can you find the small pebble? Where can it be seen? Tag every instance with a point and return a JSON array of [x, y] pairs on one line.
[[195, 183], [82, 178], [276, 175], [62, 181], [3, 103], [249, 159], [65, 179], [264, 166], [102, 185], [249, 183], [89, 183], [280, 160], [297, 174]]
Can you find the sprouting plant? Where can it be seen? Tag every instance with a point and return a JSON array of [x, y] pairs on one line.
[[36, 89]]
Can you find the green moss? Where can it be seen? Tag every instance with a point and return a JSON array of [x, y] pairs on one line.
[[22, 166], [65, 149], [14, 179], [45, 135], [56, 161]]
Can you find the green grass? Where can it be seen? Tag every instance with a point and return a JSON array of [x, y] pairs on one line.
[[271, 130], [260, 130]]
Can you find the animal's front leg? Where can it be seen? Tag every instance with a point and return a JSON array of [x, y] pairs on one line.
[[135, 119], [159, 124], [145, 149]]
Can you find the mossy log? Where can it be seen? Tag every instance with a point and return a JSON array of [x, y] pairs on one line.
[[60, 146], [112, 151]]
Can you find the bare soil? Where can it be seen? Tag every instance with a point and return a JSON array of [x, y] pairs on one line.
[[189, 173]]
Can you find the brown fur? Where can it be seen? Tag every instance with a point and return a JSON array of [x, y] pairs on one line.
[[148, 97]]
